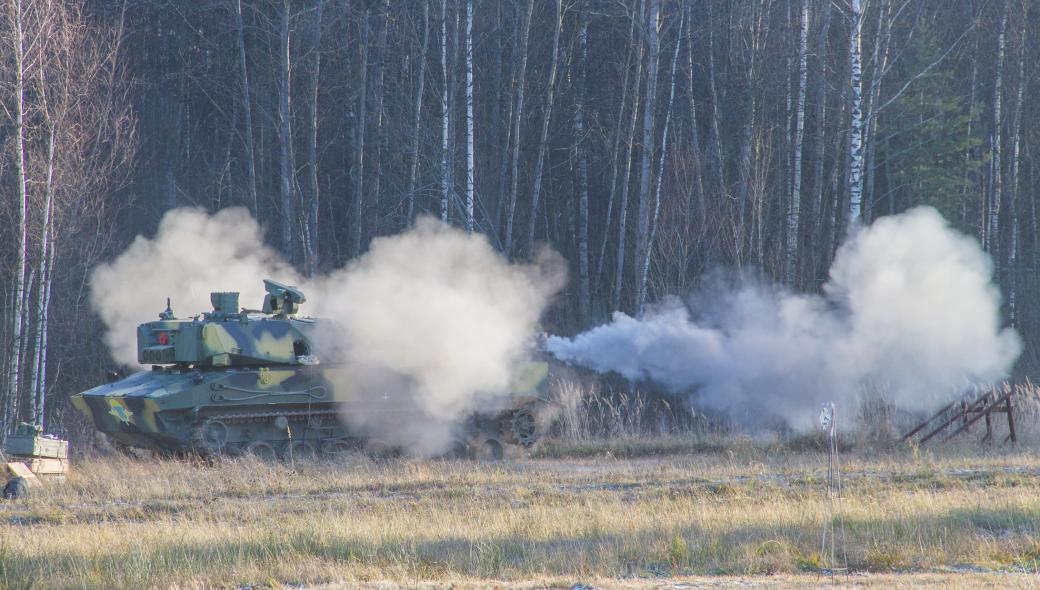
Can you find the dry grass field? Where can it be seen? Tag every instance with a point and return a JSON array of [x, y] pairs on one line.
[[743, 516]]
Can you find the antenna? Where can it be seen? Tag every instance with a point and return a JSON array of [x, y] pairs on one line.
[[827, 542]]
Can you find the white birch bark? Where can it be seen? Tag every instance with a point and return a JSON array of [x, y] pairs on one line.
[[17, 337], [469, 116], [856, 122], [43, 293], [445, 117], [794, 211]]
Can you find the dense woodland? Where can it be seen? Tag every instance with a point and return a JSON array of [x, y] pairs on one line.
[[648, 141]]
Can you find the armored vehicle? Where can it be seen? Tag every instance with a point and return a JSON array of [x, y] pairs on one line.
[[236, 381]]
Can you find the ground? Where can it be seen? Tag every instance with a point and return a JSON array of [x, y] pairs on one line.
[[737, 517]]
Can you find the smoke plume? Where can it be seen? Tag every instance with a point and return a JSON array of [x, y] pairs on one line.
[[432, 315], [192, 254], [909, 308]]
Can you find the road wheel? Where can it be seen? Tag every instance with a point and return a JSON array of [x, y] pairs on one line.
[[337, 449], [524, 427], [300, 450], [262, 450], [210, 438], [490, 450]]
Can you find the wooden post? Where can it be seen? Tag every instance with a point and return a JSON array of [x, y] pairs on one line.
[[1011, 422], [989, 428]]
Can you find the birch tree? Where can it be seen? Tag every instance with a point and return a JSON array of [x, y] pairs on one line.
[[360, 121], [615, 157], [794, 210], [996, 170], [446, 159], [539, 163], [21, 191], [246, 105], [644, 270], [582, 167], [856, 123], [619, 262], [469, 116], [286, 169], [518, 114], [650, 104], [417, 121], [310, 217]]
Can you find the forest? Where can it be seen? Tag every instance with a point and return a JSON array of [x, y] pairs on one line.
[[649, 142]]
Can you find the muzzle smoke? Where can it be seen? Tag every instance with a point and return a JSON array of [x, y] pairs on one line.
[[433, 312], [910, 308]]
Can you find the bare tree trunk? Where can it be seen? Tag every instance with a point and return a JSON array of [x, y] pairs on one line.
[[794, 211], [380, 120], [469, 116], [247, 107], [310, 226], [644, 271], [1013, 194], [695, 137], [615, 156], [815, 219], [583, 168], [856, 123], [286, 168], [42, 295], [993, 234], [879, 63], [543, 142], [716, 134], [645, 172], [446, 159], [979, 227], [619, 273], [14, 364], [417, 124], [359, 123], [757, 22], [518, 115]]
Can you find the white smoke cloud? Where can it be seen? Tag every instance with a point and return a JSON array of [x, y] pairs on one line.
[[433, 313], [192, 254], [910, 306]]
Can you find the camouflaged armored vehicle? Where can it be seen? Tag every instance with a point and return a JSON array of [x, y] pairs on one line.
[[232, 382]]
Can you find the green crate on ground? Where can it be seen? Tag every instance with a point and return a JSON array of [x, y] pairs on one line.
[[28, 442]]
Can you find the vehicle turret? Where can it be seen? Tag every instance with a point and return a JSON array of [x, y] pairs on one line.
[[229, 336]]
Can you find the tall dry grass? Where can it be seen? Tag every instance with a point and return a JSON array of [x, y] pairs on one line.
[[138, 524], [589, 413]]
